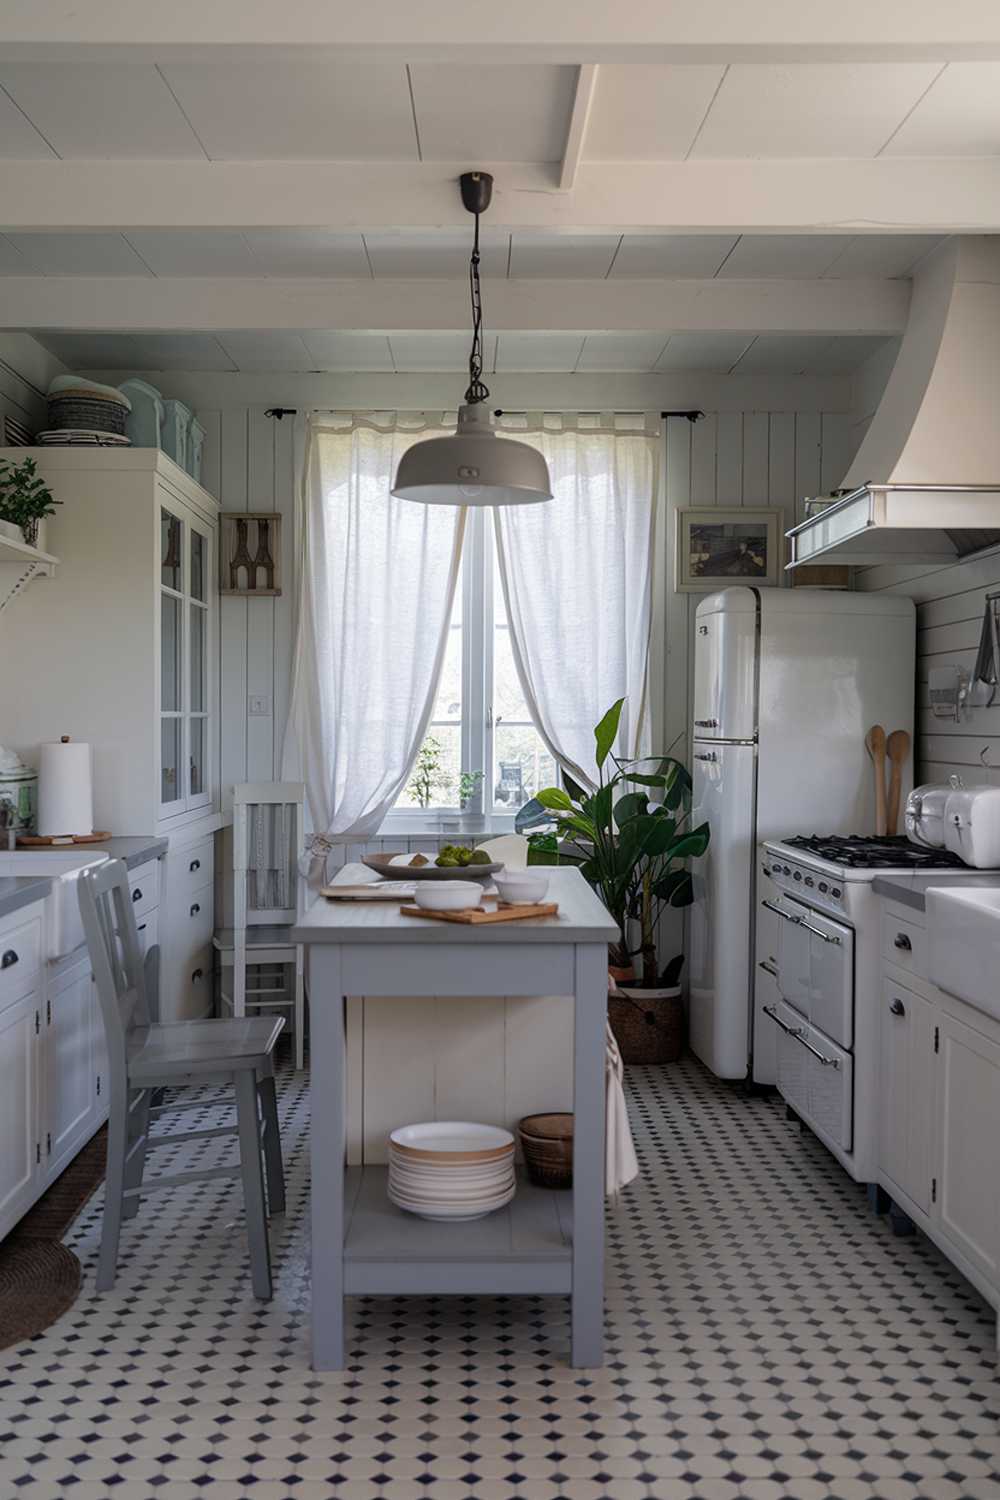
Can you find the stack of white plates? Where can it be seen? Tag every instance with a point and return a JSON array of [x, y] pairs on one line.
[[450, 1169], [81, 437]]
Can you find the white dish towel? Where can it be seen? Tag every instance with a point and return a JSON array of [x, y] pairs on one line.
[[621, 1165]]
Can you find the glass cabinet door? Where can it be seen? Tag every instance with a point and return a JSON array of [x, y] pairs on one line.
[[185, 564]]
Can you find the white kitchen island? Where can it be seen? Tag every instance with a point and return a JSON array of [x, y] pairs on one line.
[[543, 1242]]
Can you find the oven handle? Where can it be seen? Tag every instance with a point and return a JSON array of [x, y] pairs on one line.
[[786, 914], [818, 931], [798, 1033]]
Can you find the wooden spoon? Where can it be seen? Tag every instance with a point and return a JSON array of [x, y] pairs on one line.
[[898, 748], [875, 745]]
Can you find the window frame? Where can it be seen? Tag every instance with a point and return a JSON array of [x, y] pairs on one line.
[[477, 733]]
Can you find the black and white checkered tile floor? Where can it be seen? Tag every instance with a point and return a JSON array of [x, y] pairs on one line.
[[767, 1338]]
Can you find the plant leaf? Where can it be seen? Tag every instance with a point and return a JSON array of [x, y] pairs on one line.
[[632, 805], [690, 845], [576, 791], [555, 798], [607, 731]]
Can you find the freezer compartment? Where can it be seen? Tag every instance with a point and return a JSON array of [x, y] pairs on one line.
[[719, 934], [725, 666], [815, 1076]]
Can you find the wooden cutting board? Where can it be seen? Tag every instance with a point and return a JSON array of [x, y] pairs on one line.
[[479, 915]]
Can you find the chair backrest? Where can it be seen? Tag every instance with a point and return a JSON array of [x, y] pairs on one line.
[[268, 840], [115, 956]]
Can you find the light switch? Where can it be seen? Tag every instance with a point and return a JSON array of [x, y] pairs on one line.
[[260, 706]]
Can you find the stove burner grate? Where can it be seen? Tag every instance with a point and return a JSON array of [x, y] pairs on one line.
[[858, 852]]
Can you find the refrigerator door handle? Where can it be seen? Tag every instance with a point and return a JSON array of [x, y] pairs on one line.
[[705, 755], [787, 915], [706, 723]]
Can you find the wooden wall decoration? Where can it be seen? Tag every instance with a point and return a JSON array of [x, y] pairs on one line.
[[250, 553]]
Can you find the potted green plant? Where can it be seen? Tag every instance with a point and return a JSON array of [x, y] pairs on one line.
[[631, 838], [25, 500], [469, 783]]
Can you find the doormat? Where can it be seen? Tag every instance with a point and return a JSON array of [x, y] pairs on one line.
[[39, 1277]]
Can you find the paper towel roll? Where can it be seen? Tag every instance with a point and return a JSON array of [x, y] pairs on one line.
[[65, 800]]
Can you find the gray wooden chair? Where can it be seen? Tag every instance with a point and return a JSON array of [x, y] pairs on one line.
[[145, 1055]]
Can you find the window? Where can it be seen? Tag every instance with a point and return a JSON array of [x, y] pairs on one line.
[[480, 722]]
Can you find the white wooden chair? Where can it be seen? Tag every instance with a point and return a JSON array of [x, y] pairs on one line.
[[268, 898]]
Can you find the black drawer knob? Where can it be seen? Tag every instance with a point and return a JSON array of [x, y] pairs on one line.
[[194, 865], [898, 1008], [902, 941], [195, 909], [196, 975], [137, 893], [10, 958]]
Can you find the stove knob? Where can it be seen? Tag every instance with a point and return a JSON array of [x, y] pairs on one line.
[[823, 887], [785, 870], [809, 880], [797, 875], [835, 891]]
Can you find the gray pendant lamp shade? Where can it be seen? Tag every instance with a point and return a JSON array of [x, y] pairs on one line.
[[474, 467]]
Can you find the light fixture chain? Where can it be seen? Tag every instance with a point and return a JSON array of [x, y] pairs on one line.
[[477, 391]]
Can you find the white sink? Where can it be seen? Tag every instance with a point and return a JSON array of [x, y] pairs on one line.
[[64, 927], [963, 936]]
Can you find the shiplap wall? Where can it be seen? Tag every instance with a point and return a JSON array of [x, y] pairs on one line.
[[950, 604]]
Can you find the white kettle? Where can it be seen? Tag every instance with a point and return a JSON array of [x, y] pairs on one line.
[[923, 815], [972, 826]]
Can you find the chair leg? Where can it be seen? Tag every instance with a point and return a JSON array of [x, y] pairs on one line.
[[135, 1159], [114, 1185], [272, 1144], [300, 1009], [253, 1184]]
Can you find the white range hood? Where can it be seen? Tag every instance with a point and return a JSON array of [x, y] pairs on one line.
[[925, 485]]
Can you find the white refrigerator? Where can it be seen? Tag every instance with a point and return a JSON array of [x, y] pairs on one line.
[[786, 684]]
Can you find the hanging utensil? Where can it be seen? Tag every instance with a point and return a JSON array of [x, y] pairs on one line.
[[898, 748], [875, 745]]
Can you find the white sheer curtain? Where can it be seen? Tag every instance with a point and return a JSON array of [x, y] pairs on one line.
[[376, 582], [577, 579]]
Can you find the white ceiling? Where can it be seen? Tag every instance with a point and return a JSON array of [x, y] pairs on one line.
[[293, 110], [282, 253], [786, 354]]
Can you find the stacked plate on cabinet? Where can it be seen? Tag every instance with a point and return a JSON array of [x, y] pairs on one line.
[[450, 1169]]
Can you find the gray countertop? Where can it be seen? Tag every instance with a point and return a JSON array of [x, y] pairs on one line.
[[581, 919], [911, 890], [21, 890]]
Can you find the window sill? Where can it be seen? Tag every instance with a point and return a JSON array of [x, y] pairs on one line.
[[445, 825]]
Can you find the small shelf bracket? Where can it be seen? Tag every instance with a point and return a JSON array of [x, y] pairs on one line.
[[10, 590]]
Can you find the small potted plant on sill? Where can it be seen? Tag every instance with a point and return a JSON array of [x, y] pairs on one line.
[[25, 501], [631, 839]]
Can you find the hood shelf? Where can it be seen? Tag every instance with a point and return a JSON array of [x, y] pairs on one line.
[[885, 523]]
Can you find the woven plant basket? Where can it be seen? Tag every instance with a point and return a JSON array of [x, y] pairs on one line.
[[86, 413], [547, 1143], [648, 1024]]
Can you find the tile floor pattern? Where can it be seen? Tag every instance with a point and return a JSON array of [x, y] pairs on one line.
[[767, 1338]]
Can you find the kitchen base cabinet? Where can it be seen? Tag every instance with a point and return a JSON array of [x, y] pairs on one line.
[[19, 1150], [968, 1187], [68, 1044], [188, 921], [906, 1042]]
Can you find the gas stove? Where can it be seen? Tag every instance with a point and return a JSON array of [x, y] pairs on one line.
[[862, 852]]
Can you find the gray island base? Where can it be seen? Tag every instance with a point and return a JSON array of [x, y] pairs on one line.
[[543, 1243]]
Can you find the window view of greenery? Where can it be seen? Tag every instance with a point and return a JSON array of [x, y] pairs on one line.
[[512, 763]]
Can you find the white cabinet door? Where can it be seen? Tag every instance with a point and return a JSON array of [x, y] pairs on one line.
[[725, 665], [18, 1108], [968, 1187], [906, 1041], [70, 1072]]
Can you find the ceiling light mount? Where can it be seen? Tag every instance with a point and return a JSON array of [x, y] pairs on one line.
[[477, 191]]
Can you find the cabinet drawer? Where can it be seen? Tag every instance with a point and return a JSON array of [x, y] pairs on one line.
[[147, 927], [144, 883], [905, 944], [191, 869], [20, 959], [192, 922]]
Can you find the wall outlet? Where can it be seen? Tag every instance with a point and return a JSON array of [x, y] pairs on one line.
[[260, 706]]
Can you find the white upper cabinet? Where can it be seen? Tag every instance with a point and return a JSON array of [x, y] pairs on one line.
[[120, 648]]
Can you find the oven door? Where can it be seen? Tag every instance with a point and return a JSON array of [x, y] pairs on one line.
[[816, 969], [815, 1077]]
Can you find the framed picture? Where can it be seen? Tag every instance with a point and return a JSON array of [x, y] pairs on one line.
[[250, 553], [719, 545]]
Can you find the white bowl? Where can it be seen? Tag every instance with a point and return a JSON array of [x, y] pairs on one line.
[[521, 887], [447, 895], [456, 1139]]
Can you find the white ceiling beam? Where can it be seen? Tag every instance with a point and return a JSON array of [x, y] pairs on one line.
[[583, 99], [536, 30], [908, 194], [146, 303]]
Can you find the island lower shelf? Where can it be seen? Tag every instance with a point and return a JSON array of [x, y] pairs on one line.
[[521, 1250]]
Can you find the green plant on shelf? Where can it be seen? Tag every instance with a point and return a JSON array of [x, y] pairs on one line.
[[25, 499]]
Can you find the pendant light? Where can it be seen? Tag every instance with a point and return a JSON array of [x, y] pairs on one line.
[[473, 467]]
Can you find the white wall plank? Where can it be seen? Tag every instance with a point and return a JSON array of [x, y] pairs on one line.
[[260, 612], [729, 459], [233, 493], [756, 468]]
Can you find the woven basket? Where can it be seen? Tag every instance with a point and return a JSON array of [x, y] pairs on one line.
[[547, 1143], [648, 1025], [86, 413]]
